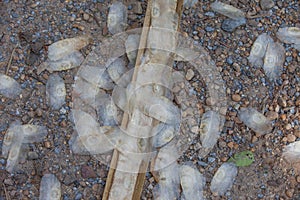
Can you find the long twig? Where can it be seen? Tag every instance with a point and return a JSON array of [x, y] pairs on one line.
[[10, 59], [5, 192]]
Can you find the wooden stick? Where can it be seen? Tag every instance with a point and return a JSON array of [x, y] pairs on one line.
[[140, 177]]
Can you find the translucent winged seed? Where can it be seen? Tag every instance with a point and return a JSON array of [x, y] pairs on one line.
[[55, 91], [139, 125], [150, 74], [33, 133], [76, 145], [96, 76], [258, 50], [166, 156], [117, 18], [223, 178], [210, 129], [63, 48], [297, 46], [160, 108], [91, 134], [289, 35], [85, 91], [68, 62], [116, 69], [227, 10], [274, 59], [230, 25], [50, 188], [192, 182], [162, 134], [10, 137], [131, 45], [9, 87], [255, 120], [15, 149], [13, 156], [169, 183], [107, 111], [120, 98], [125, 79], [292, 152], [189, 3]]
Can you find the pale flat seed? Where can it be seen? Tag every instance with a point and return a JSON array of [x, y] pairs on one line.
[[169, 183], [91, 134], [107, 111], [9, 87], [292, 152], [210, 129], [96, 76], [255, 120], [289, 35], [116, 69], [131, 45], [10, 136], [223, 178], [162, 134], [34, 133], [117, 18], [227, 10], [274, 59], [258, 50], [192, 182], [70, 61], [189, 3], [50, 188], [55, 91], [14, 153], [59, 50]]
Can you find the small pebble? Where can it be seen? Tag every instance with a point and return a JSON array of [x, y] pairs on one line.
[[291, 138], [189, 74], [236, 97], [267, 4]]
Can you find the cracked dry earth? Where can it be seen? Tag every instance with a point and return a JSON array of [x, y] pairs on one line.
[[27, 28]]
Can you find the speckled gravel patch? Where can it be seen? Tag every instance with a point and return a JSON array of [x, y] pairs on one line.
[[30, 27]]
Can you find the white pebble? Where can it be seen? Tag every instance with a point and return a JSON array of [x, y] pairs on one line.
[[289, 35]]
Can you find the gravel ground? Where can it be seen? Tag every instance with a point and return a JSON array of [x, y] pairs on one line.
[[29, 27]]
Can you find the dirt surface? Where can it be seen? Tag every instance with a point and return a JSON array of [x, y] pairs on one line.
[[27, 28]]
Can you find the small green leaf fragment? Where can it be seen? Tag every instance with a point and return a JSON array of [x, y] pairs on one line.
[[242, 159]]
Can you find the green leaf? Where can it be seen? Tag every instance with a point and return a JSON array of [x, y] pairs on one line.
[[242, 159]]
